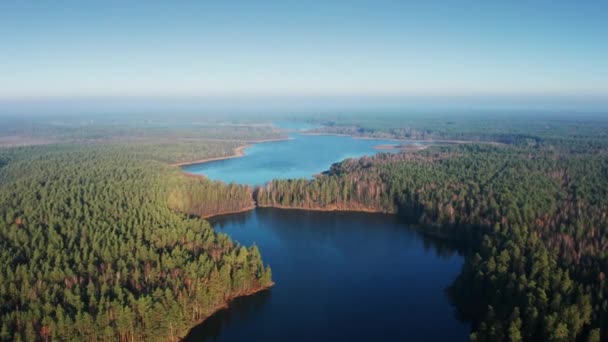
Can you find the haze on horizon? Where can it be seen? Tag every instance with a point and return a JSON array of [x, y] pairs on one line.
[[373, 49]]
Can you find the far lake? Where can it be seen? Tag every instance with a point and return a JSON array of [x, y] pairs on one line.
[[301, 156], [339, 276]]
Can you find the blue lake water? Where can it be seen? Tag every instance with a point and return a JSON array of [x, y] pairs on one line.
[[301, 156], [339, 276]]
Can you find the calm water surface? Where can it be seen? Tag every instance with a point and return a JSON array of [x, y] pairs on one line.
[[302, 156], [339, 276]]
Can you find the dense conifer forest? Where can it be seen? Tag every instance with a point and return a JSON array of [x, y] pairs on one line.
[[198, 196], [411, 170], [533, 217], [107, 241], [96, 244]]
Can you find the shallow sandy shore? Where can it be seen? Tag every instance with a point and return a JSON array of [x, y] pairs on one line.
[[237, 153]]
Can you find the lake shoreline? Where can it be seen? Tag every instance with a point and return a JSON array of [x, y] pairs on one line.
[[401, 148], [428, 230], [240, 150], [226, 304], [445, 141], [236, 153], [230, 212], [336, 209]]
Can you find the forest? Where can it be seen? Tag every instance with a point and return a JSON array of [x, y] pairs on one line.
[[95, 245], [176, 136], [197, 195], [102, 239], [512, 127], [533, 219]]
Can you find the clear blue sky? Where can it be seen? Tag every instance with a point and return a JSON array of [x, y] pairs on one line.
[[185, 48]]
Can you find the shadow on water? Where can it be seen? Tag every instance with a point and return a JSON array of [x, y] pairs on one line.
[[219, 222], [319, 224], [240, 309]]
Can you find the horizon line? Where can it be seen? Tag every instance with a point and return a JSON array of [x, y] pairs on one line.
[[295, 96]]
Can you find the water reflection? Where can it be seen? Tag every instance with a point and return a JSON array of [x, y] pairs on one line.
[[219, 222], [330, 225]]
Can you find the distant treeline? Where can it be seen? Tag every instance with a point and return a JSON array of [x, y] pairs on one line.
[[189, 136], [92, 248], [535, 220], [530, 128]]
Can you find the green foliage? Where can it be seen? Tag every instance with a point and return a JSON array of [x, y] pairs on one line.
[[534, 219], [199, 196], [90, 248], [94, 245]]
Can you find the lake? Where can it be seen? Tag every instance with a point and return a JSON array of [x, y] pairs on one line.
[[339, 276], [301, 156]]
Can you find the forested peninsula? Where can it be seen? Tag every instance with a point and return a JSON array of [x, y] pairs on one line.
[[100, 242]]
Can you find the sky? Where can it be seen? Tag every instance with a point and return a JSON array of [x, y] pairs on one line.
[[63, 49]]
